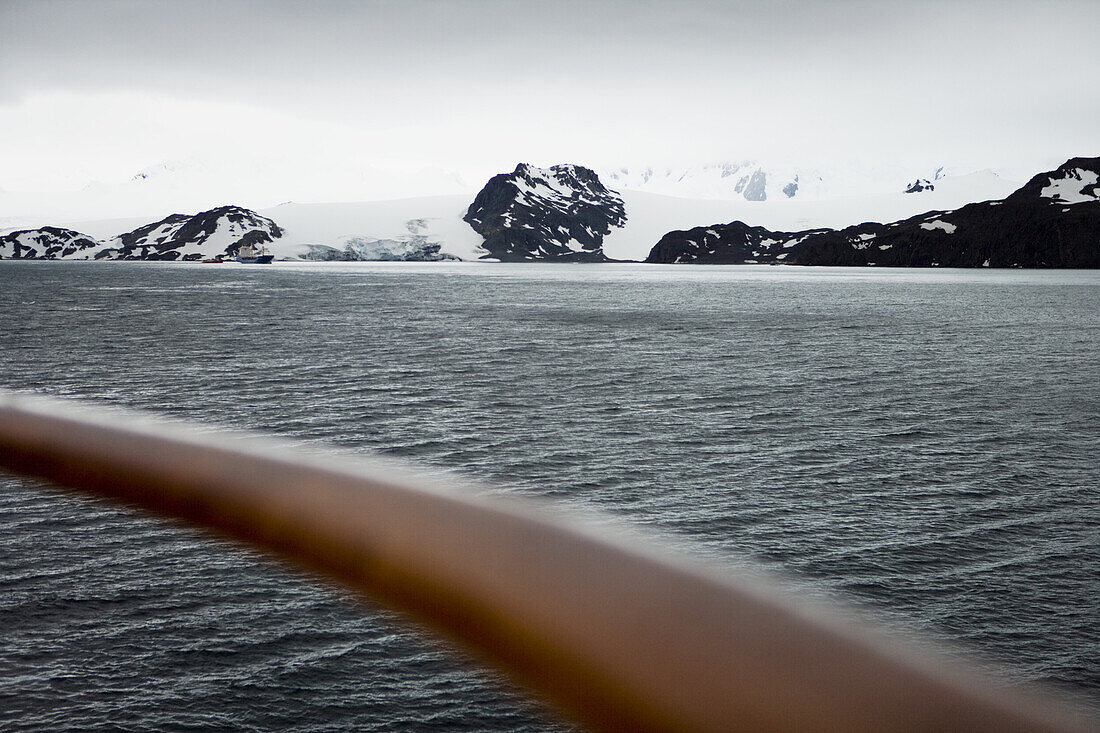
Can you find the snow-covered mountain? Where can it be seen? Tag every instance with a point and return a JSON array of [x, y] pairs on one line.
[[429, 228], [383, 230], [801, 196], [181, 237], [1052, 221], [557, 213], [45, 243], [760, 181], [650, 216]]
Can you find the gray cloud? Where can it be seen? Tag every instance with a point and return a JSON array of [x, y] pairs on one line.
[[986, 80]]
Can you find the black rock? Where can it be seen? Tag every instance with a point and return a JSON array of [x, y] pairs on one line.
[[921, 184], [561, 213], [735, 243]]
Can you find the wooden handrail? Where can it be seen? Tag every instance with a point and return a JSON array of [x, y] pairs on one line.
[[617, 634]]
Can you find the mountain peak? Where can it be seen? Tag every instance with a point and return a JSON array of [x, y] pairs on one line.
[[1075, 181], [561, 212], [221, 230], [44, 243]]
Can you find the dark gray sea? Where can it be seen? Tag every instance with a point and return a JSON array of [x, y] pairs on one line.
[[922, 443]]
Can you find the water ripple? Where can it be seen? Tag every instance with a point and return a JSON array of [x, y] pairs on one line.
[[922, 443]]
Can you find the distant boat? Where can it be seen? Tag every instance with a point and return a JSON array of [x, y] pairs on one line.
[[249, 255], [214, 260]]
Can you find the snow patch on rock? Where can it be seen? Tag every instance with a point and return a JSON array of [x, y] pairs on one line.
[[1075, 186], [941, 225]]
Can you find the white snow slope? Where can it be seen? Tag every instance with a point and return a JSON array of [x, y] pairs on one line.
[[439, 218], [193, 185], [756, 181]]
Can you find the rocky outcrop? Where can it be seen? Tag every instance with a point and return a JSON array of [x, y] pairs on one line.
[[561, 213], [181, 237], [921, 184], [1052, 221], [45, 243], [754, 188], [735, 243]]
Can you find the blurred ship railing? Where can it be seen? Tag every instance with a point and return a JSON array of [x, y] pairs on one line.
[[616, 633]]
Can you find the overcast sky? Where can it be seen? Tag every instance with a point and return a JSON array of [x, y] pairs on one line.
[[97, 90]]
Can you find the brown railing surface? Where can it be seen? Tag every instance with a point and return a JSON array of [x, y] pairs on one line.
[[617, 633]]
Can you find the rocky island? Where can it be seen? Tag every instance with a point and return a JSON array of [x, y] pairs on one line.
[[561, 214]]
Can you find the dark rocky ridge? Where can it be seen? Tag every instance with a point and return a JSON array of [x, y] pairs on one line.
[[44, 243], [164, 239], [1052, 221], [735, 243], [560, 213]]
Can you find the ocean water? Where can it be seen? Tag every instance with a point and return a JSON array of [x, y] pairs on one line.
[[922, 443]]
